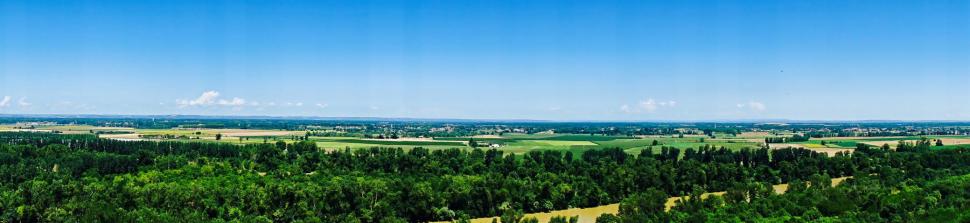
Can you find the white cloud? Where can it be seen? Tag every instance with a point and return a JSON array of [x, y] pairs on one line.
[[207, 98], [214, 98], [23, 102], [757, 106], [753, 105], [322, 105], [233, 102], [648, 105], [5, 102], [626, 109]]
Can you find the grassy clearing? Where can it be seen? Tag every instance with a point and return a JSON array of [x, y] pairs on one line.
[[330, 145], [398, 143], [551, 143], [951, 147]]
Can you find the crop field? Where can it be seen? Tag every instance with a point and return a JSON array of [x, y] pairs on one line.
[[349, 142], [67, 129], [510, 143]]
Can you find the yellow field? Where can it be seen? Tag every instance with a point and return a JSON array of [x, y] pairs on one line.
[[946, 141], [754, 135], [228, 135]]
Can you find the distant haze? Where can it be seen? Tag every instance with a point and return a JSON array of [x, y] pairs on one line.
[[494, 59]]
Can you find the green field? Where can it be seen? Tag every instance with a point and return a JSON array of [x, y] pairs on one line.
[[511, 143]]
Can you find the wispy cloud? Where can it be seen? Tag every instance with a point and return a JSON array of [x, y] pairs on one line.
[[322, 105], [210, 98], [626, 109], [233, 102], [5, 102], [288, 104], [649, 105], [753, 105], [23, 102]]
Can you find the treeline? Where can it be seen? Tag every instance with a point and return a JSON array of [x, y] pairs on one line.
[[794, 138], [920, 186], [48, 177]]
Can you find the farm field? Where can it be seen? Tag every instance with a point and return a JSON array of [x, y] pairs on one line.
[[519, 143], [227, 135], [510, 143], [332, 143]]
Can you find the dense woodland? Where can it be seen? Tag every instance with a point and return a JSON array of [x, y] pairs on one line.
[[80, 178]]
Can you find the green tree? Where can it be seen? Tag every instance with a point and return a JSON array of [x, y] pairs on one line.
[[607, 218], [512, 216], [644, 207], [472, 143], [564, 219]]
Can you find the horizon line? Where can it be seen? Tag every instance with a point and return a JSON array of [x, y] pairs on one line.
[[378, 118]]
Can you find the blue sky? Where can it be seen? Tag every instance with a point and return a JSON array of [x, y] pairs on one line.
[[491, 59]]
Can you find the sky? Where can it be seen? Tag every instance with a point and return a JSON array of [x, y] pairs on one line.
[[490, 59]]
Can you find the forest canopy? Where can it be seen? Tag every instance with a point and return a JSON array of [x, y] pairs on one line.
[[54, 177]]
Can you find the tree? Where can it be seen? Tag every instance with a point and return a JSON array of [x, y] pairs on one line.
[[644, 207], [512, 216], [563, 219], [607, 218], [472, 143], [218, 136], [939, 142]]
